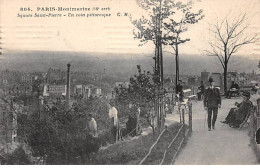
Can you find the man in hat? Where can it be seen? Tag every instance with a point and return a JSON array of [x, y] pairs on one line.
[[237, 115], [91, 126], [212, 101]]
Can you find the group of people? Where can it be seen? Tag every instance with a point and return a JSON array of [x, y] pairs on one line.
[[212, 102], [133, 126], [91, 126]]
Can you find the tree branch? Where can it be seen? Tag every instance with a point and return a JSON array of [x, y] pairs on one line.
[[244, 42], [209, 53]]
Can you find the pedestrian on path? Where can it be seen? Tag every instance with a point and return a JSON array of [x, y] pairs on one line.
[[212, 101]]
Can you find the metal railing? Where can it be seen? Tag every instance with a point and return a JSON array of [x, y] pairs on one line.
[[182, 133]]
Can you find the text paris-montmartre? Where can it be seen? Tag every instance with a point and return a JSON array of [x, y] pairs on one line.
[[67, 9]]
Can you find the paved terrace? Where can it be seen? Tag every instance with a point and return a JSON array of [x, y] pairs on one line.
[[223, 146]]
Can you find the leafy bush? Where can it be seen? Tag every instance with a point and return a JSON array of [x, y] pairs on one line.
[[57, 134], [18, 157], [141, 93]]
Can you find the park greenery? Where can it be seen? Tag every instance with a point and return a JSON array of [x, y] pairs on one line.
[[164, 24], [56, 134], [141, 93]]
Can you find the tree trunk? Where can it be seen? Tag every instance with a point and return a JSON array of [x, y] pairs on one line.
[[177, 65], [225, 78], [153, 132]]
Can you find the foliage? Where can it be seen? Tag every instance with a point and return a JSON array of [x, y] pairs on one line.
[[179, 24], [147, 26], [141, 93], [18, 157], [166, 21], [57, 135], [133, 151]]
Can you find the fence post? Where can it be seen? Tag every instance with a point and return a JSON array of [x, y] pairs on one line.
[[179, 111], [190, 115], [183, 122]]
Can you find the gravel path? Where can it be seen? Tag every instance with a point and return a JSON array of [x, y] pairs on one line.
[[223, 146]]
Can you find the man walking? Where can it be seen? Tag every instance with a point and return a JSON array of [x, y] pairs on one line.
[[212, 101]]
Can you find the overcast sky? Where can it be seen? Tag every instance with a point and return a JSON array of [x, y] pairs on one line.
[[112, 34]]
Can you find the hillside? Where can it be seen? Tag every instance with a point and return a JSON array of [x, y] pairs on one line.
[[117, 63]]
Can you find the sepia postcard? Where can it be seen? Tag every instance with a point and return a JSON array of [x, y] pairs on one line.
[[129, 82]]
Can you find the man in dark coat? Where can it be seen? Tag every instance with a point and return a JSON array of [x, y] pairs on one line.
[[212, 101], [237, 115], [201, 91]]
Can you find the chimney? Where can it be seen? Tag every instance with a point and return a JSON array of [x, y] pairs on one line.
[[68, 84]]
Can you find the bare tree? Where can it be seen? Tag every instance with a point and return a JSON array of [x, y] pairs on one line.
[[229, 37]]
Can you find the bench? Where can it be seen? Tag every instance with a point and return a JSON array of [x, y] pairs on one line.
[[233, 92], [251, 111]]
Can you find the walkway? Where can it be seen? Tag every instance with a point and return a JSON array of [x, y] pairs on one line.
[[223, 146]]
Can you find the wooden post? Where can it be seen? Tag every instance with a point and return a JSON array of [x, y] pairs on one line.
[[68, 84], [137, 121], [112, 133], [183, 122], [179, 109], [190, 115]]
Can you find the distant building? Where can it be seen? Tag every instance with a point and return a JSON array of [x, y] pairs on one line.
[[56, 76], [17, 89], [8, 122], [26, 79], [242, 80], [191, 80], [9, 77], [205, 77], [54, 90], [87, 90], [218, 81], [122, 84]]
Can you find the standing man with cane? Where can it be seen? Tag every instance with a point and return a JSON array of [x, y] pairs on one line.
[[212, 101]]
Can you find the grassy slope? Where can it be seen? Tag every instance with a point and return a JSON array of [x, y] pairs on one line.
[[131, 152]]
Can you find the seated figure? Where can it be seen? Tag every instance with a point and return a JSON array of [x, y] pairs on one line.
[[237, 115], [234, 89]]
